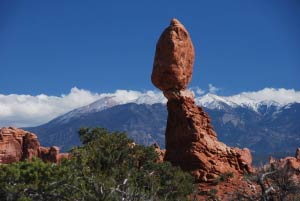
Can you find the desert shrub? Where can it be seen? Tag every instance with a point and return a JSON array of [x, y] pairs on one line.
[[282, 186], [33, 180], [223, 177], [276, 184], [211, 195], [126, 171], [108, 166]]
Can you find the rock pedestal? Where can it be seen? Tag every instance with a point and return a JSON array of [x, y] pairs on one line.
[[191, 142]]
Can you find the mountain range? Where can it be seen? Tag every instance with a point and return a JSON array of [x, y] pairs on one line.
[[265, 124]]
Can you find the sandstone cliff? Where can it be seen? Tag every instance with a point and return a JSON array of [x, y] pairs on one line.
[[17, 145]]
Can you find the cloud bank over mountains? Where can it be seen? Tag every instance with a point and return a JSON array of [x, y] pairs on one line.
[[26, 110]]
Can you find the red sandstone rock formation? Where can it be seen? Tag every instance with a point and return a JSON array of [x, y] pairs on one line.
[[291, 163], [17, 144], [288, 173], [160, 152], [174, 58], [191, 142]]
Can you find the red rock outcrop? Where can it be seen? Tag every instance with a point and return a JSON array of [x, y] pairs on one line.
[[191, 142], [174, 58], [160, 152], [17, 144], [288, 167], [291, 163]]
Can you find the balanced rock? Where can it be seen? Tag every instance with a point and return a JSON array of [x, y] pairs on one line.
[[174, 58], [17, 145], [191, 141]]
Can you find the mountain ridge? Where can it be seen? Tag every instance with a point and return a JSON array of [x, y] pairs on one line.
[[264, 125], [209, 100], [265, 133]]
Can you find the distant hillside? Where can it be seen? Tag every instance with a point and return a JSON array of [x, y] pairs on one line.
[[144, 123], [265, 129]]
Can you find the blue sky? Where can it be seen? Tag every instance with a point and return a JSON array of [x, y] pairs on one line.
[[51, 46]]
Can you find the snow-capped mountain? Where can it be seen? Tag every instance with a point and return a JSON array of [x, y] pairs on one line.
[[256, 101], [264, 123], [23, 110], [109, 100], [213, 101], [268, 97], [101, 104]]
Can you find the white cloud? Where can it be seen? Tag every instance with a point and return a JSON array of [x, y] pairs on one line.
[[26, 110], [129, 96], [212, 89], [198, 91]]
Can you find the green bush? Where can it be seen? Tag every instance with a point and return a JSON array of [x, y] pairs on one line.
[[108, 166], [34, 180]]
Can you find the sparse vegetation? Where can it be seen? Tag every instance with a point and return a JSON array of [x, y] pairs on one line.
[[211, 194], [108, 166], [223, 177], [276, 184]]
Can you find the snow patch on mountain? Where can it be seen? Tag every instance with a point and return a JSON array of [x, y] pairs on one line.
[[212, 101], [109, 100], [267, 97], [253, 100]]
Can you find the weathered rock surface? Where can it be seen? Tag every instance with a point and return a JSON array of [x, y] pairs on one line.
[[160, 152], [291, 163], [191, 141], [174, 58], [17, 144], [289, 170], [192, 144]]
